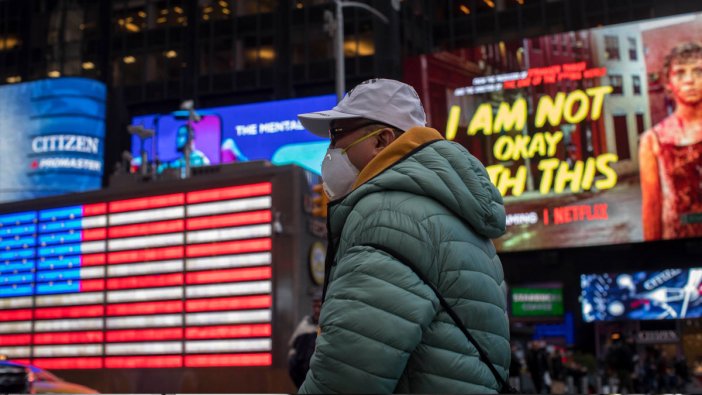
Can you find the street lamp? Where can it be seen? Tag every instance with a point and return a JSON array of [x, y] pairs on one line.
[[193, 116], [143, 134], [338, 34]]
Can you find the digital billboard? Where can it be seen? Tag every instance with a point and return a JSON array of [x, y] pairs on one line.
[[592, 137], [52, 134], [260, 131], [165, 281], [537, 302], [657, 295]]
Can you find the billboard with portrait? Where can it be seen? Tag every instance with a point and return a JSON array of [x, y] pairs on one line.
[[240, 133], [593, 137], [52, 133], [657, 295]]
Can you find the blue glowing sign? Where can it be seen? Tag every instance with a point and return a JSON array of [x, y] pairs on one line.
[[260, 131], [657, 295], [53, 134]]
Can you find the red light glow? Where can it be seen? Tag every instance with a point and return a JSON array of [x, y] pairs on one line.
[[240, 191]]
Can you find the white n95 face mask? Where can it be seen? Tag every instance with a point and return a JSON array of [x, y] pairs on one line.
[[338, 173]]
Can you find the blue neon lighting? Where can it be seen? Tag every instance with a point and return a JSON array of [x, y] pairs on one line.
[[16, 278], [55, 275], [18, 218], [16, 267], [18, 290], [37, 112], [58, 263], [58, 226], [60, 250], [55, 214], [18, 230], [58, 287], [61, 237], [12, 242], [17, 254]]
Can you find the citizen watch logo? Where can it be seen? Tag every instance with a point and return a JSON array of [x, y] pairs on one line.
[[65, 143]]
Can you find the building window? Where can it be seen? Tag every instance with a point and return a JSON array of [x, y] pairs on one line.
[[213, 9], [640, 123], [636, 83], [362, 43], [131, 69], [617, 84], [621, 136], [250, 7], [257, 52], [633, 54], [312, 46], [612, 47], [9, 42], [131, 20]]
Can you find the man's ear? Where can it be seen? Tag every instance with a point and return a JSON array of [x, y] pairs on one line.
[[385, 137]]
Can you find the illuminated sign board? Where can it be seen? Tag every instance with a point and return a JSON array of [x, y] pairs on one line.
[[260, 131], [537, 302], [658, 295], [577, 131], [53, 132], [167, 281]]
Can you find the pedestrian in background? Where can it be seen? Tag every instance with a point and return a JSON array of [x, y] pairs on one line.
[[410, 222], [302, 342]]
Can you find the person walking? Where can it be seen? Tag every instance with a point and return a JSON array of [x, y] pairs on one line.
[[413, 282], [302, 342]]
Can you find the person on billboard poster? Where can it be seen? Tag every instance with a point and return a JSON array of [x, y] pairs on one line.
[[670, 153], [197, 157]]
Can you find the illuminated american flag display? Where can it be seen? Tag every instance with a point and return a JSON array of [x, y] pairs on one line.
[[177, 280]]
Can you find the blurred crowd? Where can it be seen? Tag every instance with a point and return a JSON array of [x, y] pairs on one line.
[[545, 369]]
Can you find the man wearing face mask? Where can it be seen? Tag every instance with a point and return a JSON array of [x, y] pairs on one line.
[[410, 222]]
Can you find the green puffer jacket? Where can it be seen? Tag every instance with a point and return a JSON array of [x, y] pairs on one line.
[[382, 329]]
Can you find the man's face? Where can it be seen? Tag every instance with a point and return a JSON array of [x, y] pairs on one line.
[[685, 80]]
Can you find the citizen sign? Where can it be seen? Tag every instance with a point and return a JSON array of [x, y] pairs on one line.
[[65, 143]]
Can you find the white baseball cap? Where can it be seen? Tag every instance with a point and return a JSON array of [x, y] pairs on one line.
[[387, 101]]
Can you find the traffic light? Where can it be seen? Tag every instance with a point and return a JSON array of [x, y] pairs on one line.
[[319, 201]]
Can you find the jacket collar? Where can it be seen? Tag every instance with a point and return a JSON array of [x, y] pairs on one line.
[[406, 143]]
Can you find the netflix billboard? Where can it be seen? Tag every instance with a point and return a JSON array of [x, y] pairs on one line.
[[593, 137]]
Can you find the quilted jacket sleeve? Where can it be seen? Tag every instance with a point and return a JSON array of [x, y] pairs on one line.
[[372, 319]]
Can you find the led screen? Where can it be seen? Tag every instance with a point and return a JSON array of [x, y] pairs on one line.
[[537, 302], [52, 134], [168, 281], [588, 135], [665, 294], [261, 131]]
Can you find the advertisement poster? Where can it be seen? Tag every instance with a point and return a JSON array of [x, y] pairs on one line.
[[260, 131], [52, 134], [593, 137], [665, 294], [537, 302]]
